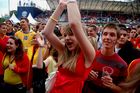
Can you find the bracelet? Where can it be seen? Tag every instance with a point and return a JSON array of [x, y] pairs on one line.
[[71, 1], [55, 20]]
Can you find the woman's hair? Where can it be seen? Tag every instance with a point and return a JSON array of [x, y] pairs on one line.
[[19, 50], [113, 26], [132, 83], [68, 59]]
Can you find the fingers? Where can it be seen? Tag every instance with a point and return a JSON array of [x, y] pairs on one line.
[[93, 75], [107, 81]]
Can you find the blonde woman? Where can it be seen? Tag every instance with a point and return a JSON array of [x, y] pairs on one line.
[[76, 53]]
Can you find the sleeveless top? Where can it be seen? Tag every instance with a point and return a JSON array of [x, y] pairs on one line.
[[71, 82]]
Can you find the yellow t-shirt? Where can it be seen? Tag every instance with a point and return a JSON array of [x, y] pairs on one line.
[[52, 65], [30, 54], [25, 38], [10, 76]]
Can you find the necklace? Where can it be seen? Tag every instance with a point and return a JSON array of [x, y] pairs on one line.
[[11, 59]]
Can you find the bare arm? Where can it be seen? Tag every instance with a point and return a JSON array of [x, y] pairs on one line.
[[74, 19], [49, 28], [40, 41]]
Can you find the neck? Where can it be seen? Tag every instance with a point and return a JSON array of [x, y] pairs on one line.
[[25, 30], [119, 45], [107, 52]]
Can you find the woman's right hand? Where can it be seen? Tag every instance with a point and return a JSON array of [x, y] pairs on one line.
[[63, 2]]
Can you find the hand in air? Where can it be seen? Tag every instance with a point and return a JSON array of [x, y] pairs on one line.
[[63, 2], [40, 39]]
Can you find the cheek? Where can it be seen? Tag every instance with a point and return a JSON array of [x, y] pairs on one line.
[[114, 41]]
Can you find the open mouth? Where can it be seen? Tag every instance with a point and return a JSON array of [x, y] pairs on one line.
[[69, 44]]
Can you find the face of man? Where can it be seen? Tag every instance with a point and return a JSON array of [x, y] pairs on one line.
[[133, 33], [123, 37], [91, 32], [109, 38]]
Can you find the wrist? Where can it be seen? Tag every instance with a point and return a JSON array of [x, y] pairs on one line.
[[71, 1], [53, 19]]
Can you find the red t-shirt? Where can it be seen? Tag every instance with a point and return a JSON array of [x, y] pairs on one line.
[[114, 65]]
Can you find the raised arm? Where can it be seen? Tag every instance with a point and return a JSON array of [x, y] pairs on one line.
[[74, 19], [49, 28]]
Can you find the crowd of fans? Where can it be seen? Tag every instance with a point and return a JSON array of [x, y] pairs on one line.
[[89, 58]]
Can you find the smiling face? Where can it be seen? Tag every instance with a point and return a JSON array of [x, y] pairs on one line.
[[24, 24], [3, 29], [11, 46], [109, 38]]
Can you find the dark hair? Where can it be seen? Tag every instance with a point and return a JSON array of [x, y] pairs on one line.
[[57, 32], [138, 26], [11, 22], [1, 24], [19, 51], [23, 18], [113, 26]]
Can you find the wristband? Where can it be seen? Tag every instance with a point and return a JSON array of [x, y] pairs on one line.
[[55, 20], [71, 1]]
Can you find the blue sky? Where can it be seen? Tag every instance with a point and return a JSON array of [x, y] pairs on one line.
[[12, 5], [3, 7]]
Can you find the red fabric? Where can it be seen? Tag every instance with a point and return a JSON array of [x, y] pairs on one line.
[[134, 42], [114, 64], [23, 67], [71, 82], [138, 46], [3, 42], [1, 69], [132, 66]]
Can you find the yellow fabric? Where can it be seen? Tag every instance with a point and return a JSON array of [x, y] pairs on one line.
[[30, 53], [25, 38], [52, 64], [10, 76]]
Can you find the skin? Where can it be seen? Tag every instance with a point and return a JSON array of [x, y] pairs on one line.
[[109, 39], [24, 25], [11, 47], [3, 30], [91, 32], [123, 38], [133, 33], [70, 42]]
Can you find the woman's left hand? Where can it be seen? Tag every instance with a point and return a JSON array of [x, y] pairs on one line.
[[40, 39]]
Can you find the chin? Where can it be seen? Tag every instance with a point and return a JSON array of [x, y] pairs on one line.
[[71, 49]]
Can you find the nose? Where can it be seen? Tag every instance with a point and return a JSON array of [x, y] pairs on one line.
[[108, 36], [67, 37]]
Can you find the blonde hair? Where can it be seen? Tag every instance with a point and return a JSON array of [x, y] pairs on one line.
[[68, 59], [132, 82]]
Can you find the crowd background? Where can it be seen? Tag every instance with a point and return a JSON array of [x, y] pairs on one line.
[[28, 58]]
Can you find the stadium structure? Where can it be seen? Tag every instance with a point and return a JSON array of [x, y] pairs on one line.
[[104, 11]]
